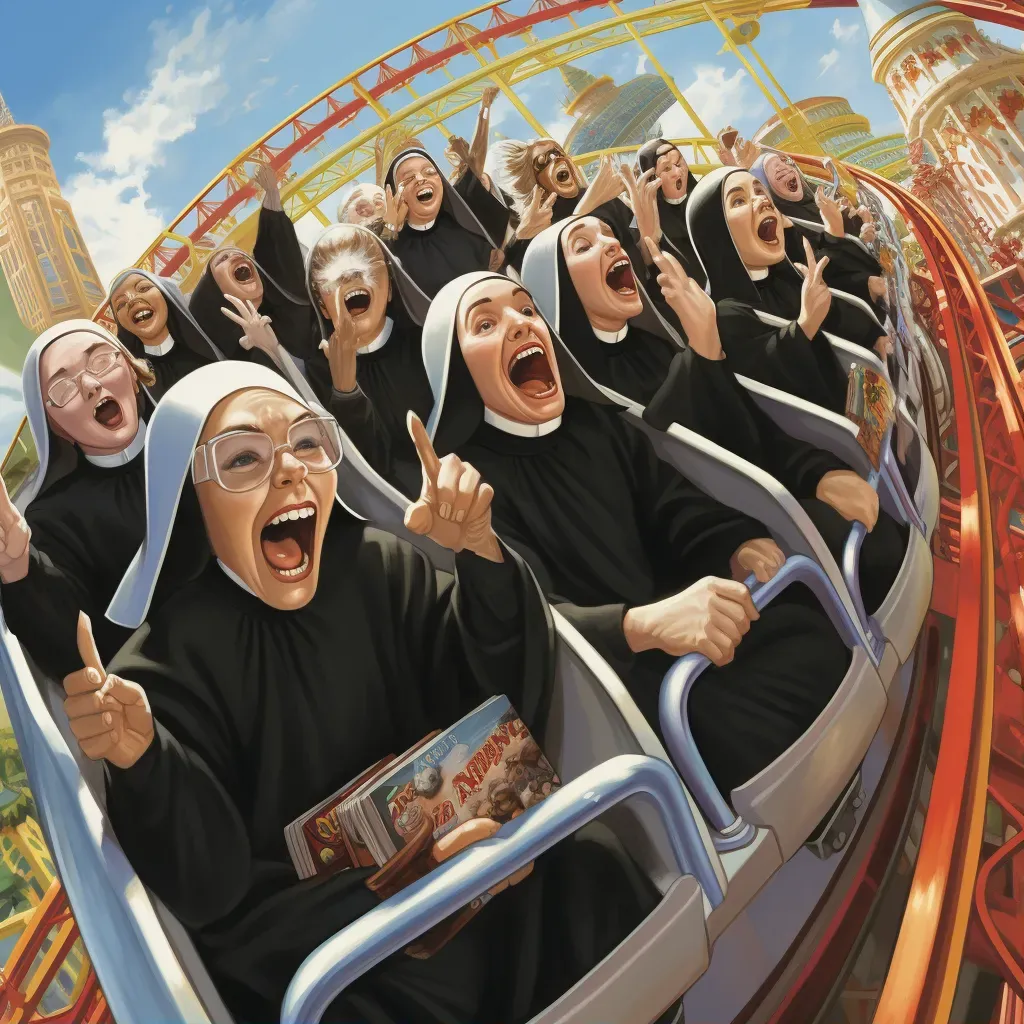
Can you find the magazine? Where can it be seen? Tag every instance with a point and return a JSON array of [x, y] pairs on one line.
[[870, 405], [486, 765]]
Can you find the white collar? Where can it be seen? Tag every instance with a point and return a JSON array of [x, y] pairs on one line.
[[162, 349], [380, 341], [125, 455], [675, 202], [520, 429], [608, 337], [232, 575], [421, 227], [757, 274]]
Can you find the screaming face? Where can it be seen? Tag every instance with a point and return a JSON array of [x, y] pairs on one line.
[[784, 178], [754, 223], [236, 274], [601, 274], [270, 535], [420, 184], [140, 307], [508, 351], [89, 392], [554, 171], [364, 205], [672, 170]]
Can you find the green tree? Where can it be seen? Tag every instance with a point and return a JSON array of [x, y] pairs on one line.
[[15, 337], [13, 893]]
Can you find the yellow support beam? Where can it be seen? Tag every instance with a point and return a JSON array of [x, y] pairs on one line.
[[439, 125], [378, 108], [507, 92]]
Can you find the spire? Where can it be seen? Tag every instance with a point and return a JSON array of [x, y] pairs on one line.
[[576, 79], [5, 114]]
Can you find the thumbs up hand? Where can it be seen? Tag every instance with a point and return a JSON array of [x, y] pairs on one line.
[[14, 537], [109, 716]]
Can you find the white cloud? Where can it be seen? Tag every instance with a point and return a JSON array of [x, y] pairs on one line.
[[641, 65], [827, 61], [845, 32], [308, 228], [716, 97]]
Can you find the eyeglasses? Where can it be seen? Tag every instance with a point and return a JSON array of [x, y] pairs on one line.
[[241, 460], [430, 171], [543, 159], [100, 362]]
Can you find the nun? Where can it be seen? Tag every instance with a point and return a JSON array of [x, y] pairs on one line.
[[610, 325], [307, 647], [84, 509], [364, 205], [369, 371], [737, 233], [832, 232], [154, 325], [441, 237], [644, 564], [677, 183]]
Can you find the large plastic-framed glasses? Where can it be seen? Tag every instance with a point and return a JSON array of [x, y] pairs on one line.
[[548, 156], [240, 460], [100, 362], [430, 171]]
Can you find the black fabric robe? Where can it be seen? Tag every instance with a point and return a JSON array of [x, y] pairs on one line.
[[86, 528], [261, 713], [494, 215], [607, 527]]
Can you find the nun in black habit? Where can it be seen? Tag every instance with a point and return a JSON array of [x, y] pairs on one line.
[[637, 558], [154, 324], [624, 344], [853, 267], [85, 506], [737, 234], [303, 651], [369, 370], [442, 237]]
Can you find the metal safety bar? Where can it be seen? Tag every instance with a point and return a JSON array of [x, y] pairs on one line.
[[400, 920], [733, 831]]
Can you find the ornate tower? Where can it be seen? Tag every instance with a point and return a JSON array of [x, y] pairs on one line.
[[960, 97], [42, 255]]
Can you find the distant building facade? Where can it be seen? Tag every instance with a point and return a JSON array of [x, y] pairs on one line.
[[45, 262]]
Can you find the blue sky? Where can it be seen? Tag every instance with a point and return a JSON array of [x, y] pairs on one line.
[[145, 102]]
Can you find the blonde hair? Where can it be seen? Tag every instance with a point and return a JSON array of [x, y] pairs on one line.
[[143, 371], [515, 165], [341, 249]]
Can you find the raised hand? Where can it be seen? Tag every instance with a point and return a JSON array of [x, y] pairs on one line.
[[109, 716], [457, 153], [694, 307], [877, 288], [14, 539], [454, 506], [883, 347], [607, 185], [831, 214], [258, 332], [850, 495], [537, 215], [469, 832], [868, 233], [762, 557], [266, 178], [395, 210], [488, 96], [725, 140], [710, 618], [815, 298], [342, 346], [643, 199], [746, 152]]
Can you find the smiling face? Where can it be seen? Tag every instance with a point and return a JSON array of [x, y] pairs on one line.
[[753, 221], [89, 395], [422, 190], [509, 353], [347, 268], [140, 307], [784, 178], [272, 535], [235, 274], [672, 170], [601, 274], [364, 205], [553, 169]]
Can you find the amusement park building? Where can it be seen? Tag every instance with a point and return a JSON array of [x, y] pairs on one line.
[[842, 133], [610, 115], [42, 255]]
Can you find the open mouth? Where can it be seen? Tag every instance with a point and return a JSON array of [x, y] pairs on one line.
[[530, 371], [108, 413], [620, 277], [679, 183], [141, 315], [793, 184], [767, 229], [425, 194], [357, 302], [562, 175], [287, 541], [243, 272]]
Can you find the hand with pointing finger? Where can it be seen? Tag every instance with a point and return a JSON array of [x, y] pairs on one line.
[[694, 307], [454, 506], [14, 540], [341, 348], [643, 198], [258, 332], [815, 297], [109, 716]]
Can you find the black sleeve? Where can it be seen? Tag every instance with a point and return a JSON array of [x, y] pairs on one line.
[[492, 212], [514, 253], [357, 417], [277, 250]]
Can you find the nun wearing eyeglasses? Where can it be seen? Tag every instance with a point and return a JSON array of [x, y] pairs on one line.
[[84, 509]]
